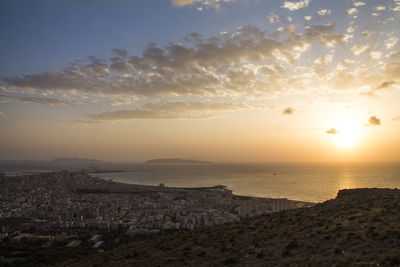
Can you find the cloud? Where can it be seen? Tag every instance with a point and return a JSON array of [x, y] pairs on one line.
[[169, 110], [323, 60], [380, 8], [124, 100], [359, 49], [367, 34], [332, 131], [320, 64], [396, 5], [42, 100], [248, 63], [394, 55], [345, 64], [324, 13], [3, 115], [351, 29], [201, 3], [183, 2], [119, 65], [288, 111], [323, 33], [352, 11], [374, 121], [120, 52], [392, 70], [273, 18], [385, 85], [392, 41], [375, 54], [396, 118], [203, 66], [357, 4], [292, 6]]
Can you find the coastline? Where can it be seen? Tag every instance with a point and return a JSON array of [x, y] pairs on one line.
[[171, 207], [85, 215], [311, 183]]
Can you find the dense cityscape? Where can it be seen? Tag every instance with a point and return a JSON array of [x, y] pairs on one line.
[[50, 207]]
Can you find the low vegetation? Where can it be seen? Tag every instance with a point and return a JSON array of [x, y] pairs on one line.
[[359, 227]]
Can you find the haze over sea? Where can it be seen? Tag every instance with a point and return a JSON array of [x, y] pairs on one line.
[[306, 182]]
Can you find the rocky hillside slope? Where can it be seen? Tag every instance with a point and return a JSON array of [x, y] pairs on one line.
[[358, 227]]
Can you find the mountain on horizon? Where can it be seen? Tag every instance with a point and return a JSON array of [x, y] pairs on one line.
[[74, 159], [177, 161]]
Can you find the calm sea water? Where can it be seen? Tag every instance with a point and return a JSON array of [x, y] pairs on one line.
[[306, 182]]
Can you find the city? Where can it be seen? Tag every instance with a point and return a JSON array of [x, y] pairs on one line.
[[46, 206]]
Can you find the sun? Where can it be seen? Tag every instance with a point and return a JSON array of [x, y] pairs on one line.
[[346, 138], [346, 130]]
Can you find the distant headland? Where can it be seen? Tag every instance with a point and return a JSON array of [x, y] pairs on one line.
[[177, 161], [74, 159]]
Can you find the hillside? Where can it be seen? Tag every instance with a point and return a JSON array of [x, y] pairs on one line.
[[358, 227]]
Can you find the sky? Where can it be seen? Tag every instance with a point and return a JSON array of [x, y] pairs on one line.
[[218, 80]]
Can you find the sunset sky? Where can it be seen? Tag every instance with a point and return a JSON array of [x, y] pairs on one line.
[[226, 81]]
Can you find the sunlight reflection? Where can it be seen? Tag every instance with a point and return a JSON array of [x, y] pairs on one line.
[[345, 181]]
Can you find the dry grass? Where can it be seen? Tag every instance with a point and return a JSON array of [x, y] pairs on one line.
[[359, 227]]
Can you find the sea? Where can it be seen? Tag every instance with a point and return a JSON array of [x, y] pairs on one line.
[[303, 182], [311, 182]]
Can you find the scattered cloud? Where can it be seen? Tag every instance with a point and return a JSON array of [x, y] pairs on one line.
[[213, 66], [392, 70], [292, 6], [288, 111], [352, 11], [351, 29], [380, 8], [324, 13], [183, 2], [323, 60], [124, 100], [345, 64], [385, 85], [375, 54], [374, 121], [332, 131], [120, 52], [250, 62], [169, 110], [42, 100], [367, 34], [359, 3], [394, 55], [201, 3], [396, 5], [273, 18], [380, 86], [392, 41], [359, 49]]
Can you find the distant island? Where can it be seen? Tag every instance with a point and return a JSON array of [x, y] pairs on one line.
[[109, 171], [74, 159], [177, 161]]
